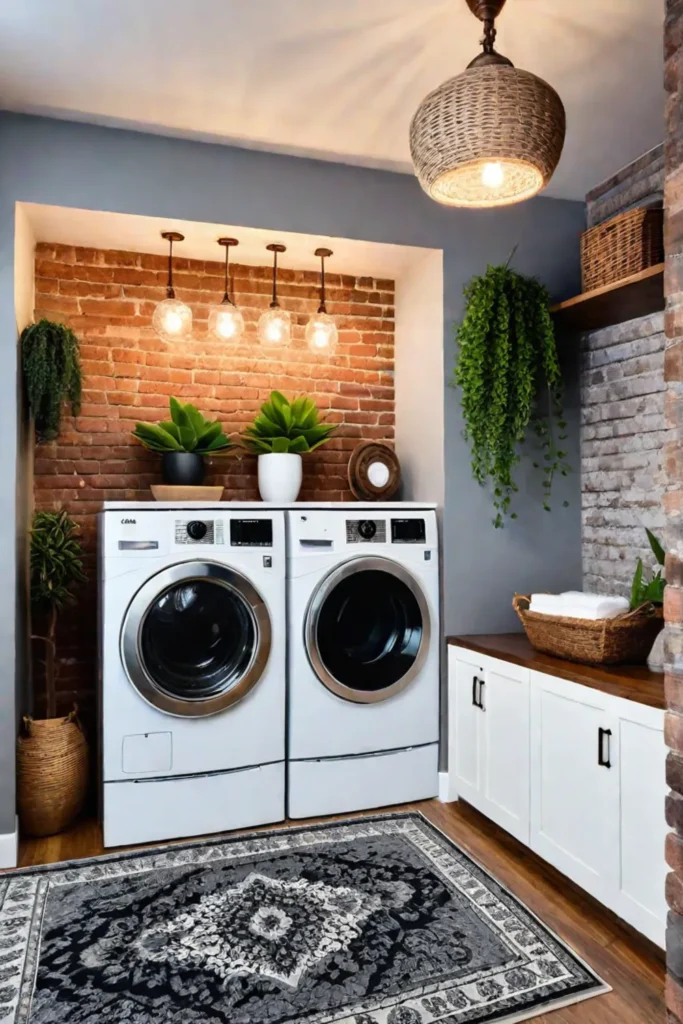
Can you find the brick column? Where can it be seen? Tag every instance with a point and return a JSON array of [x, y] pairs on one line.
[[673, 498]]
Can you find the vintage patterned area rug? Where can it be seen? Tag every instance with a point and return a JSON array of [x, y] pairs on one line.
[[377, 920]]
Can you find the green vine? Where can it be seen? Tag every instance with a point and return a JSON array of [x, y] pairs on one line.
[[52, 372], [510, 378]]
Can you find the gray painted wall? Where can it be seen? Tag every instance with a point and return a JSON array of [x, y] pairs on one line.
[[68, 164]]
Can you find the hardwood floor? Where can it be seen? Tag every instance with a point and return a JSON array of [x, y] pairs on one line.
[[626, 961]]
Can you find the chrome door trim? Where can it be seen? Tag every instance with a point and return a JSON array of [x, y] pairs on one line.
[[312, 617], [134, 619]]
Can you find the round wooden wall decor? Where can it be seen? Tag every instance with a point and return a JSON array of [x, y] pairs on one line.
[[374, 471]]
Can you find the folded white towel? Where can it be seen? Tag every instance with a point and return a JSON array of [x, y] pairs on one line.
[[576, 605], [599, 602], [607, 611], [547, 604]]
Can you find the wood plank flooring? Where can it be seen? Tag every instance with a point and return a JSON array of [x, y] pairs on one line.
[[629, 963]]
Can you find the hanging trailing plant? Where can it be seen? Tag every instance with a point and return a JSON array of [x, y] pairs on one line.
[[52, 372], [510, 378]]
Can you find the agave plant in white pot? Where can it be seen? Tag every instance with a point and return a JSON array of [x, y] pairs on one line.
[[279, 435]]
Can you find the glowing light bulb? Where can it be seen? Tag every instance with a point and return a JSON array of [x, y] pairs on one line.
[[226, 323], [274, 327], [321, 334], [172, 320], [492, 175]]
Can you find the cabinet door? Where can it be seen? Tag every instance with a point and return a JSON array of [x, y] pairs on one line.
[[639, 896], [465, 675], [575, 782], [505, 747]]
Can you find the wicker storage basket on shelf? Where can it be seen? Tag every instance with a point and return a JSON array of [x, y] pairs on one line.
[[624, 245], [626, 640], [52, 774]]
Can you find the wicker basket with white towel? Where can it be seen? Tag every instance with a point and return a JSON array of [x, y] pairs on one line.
[[589, 628]]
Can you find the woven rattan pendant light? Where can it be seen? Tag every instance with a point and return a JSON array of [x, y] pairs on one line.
[[492, 135]]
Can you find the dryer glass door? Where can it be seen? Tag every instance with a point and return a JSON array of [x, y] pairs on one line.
[[196, 638], [367, 629]]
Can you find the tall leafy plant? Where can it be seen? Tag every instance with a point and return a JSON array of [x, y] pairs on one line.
[[186, 431], [52, 374], [509, 374], [56, 567], [286, 427], [649, 591]]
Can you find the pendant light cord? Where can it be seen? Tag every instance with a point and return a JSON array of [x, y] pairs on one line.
[[490, 33], [170, 292], [274, 304], [226, 297], [322, 308]]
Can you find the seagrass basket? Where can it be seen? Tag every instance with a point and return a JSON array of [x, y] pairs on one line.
[[626, 244], [52, 774], [625, 640]]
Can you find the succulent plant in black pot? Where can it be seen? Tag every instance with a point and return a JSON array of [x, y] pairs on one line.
[[182, 442]]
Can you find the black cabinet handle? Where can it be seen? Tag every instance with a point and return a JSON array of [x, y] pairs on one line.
[[475, 682], [604, 734], [477, 688]]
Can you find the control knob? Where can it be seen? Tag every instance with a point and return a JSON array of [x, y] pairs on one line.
[[367, 529], [196, 529]]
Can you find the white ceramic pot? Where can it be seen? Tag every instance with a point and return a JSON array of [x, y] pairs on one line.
[[279, 476]]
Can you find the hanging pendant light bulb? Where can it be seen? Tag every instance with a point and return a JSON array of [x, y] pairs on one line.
[[492, 135], [226, 323], [172, 319], [275, 324], [321, 330]]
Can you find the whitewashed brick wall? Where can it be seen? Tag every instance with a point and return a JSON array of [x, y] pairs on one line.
[[622, 434]]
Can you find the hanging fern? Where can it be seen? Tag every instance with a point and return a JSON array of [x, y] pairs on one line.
[[507, 368], [53, 375]]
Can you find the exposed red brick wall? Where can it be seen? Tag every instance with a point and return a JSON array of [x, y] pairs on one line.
[[673, 498], [108, 298]]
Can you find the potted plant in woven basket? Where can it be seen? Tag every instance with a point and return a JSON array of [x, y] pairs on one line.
[[52, 753], [279, 435]]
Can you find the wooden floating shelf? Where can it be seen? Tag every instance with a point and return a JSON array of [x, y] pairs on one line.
[[632, 297]]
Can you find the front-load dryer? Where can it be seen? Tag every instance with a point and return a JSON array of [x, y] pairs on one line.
[[363, 661], [192, 666]]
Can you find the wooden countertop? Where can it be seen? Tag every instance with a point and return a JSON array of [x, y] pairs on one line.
[[633, 682]]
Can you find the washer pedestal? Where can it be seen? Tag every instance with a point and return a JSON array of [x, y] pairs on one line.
[[337, 785], [176, 807]]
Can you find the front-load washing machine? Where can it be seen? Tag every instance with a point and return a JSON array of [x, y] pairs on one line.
[[363, 660], [192, 666]]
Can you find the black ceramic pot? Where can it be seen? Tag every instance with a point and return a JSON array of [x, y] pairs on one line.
[[184, 469]]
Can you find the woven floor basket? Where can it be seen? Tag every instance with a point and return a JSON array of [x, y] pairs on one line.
[[52, 774], [626, 640], [624, 245]]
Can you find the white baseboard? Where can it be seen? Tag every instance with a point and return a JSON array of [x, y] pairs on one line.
[[447, 794], [8, 847]]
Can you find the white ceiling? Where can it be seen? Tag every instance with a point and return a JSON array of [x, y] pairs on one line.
[[99, 230], [336, 80]]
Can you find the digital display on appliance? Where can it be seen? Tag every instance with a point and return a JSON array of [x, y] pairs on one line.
[[408, 531], [251, 533]]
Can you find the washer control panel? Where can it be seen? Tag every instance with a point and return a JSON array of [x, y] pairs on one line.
[[251, 533], [408, 531], [199, 531], [366, 531]]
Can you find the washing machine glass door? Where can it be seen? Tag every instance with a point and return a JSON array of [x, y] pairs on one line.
[[196, 638], [367, 629]]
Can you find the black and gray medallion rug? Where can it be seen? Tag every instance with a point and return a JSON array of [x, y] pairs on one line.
[[369, 921]]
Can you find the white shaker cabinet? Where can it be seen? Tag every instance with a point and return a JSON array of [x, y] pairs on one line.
[[573, 772], [575, 782], [490, 733]]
